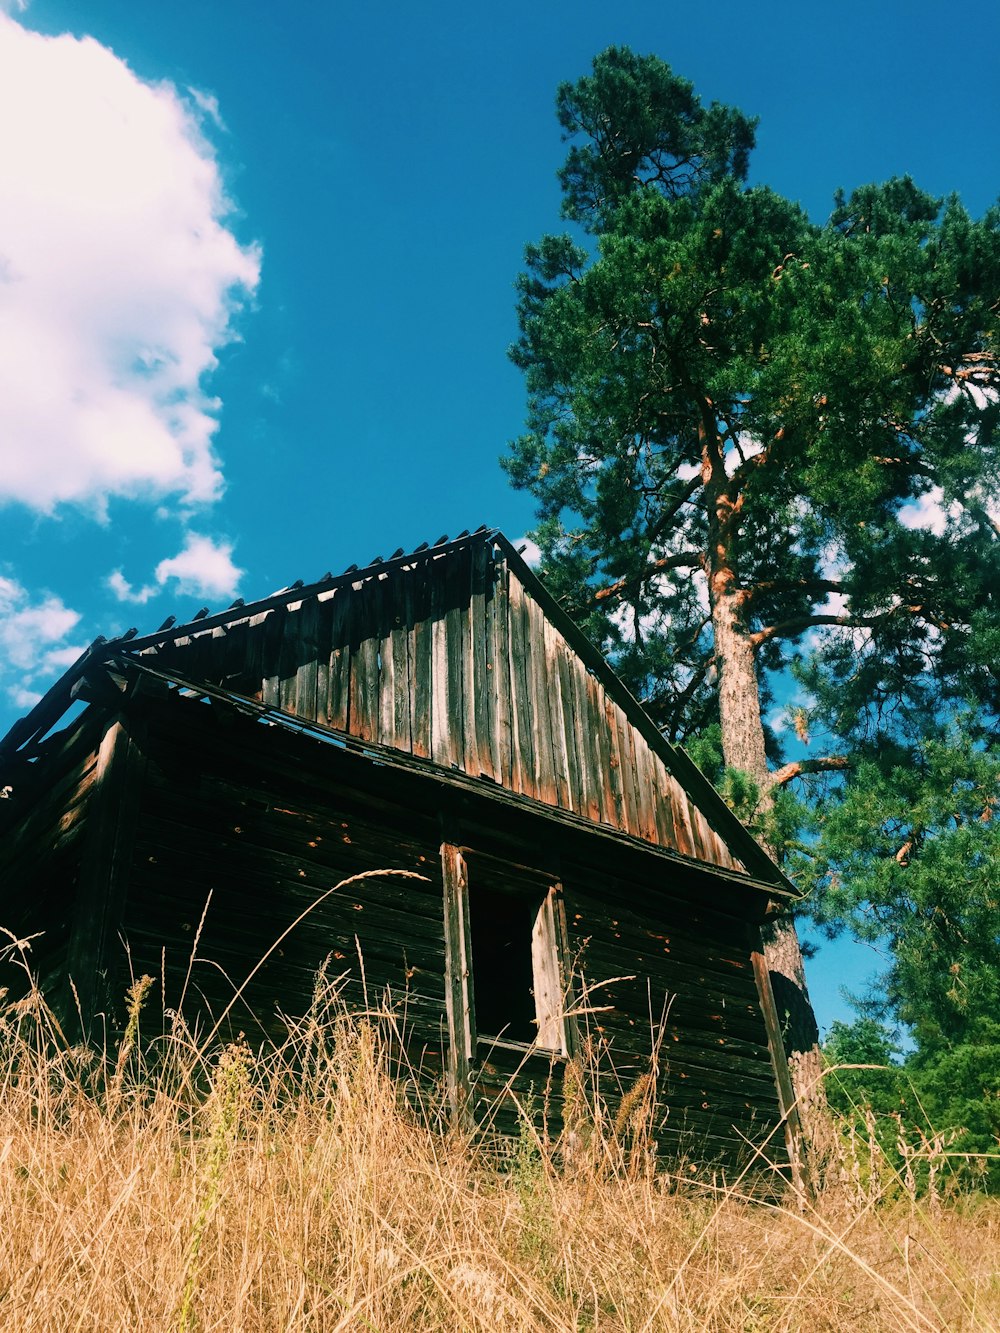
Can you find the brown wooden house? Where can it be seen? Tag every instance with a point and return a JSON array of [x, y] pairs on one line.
[[434, 712]]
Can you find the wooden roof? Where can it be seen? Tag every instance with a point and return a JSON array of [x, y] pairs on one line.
[[454, 654]]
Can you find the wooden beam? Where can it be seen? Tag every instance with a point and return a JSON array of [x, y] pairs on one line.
[[111, 823], [458, 992], [787, 1103]]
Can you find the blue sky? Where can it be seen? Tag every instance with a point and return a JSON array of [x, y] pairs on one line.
[[258, 262]]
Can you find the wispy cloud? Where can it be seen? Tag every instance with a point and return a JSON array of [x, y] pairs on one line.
[[34, 644], [120, 277], [203, 567]]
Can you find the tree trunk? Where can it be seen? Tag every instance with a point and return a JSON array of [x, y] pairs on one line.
[[743, 749]]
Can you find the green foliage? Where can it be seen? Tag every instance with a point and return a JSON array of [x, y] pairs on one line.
[[907, 854], [843, 370], [751, 433], [934, 1110]]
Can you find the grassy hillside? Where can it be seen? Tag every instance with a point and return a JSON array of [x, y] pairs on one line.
[[170, 1186]]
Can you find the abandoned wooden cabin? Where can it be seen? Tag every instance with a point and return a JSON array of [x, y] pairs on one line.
[[581, 884]]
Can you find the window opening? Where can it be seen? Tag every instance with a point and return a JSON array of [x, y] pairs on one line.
[[516, 975]]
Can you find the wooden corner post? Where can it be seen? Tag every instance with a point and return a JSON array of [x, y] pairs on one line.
[[458, 997], [787, 1103], [111, 822]]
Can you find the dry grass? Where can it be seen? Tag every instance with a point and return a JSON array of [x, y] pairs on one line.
[[170, 1187]]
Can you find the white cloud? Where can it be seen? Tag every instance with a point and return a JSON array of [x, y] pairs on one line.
[[119, 280], [202, 567], [33, 640], [530, 551], [926, 513]]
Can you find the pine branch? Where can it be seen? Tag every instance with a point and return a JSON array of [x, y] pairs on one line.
[[790, 629], [632, 583], [830, 763], [766, 586]]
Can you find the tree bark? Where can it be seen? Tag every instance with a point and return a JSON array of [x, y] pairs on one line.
[[743, 749]]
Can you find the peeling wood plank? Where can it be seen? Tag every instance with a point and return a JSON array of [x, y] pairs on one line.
[[479, 682], [575, 780], [595, 695], [541, 702], [783, 1078], [520, 679], [104, 876], [552, 646], [364, 662], [507, 759], [324, 649], [418, 610], [388, 686], [626, 765], [442, 734], [307, 649], [399, 647], [339, 697], [458, 991], [274, 629]]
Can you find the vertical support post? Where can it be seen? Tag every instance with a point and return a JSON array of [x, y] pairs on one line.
[[787, 1104], [571, 1035], [458, 992], [112, 819]]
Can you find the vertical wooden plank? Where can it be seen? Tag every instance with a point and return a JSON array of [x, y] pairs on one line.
[[232, 672], [500, 671], [442, 729], [338, 707], [787, 1102], [630, 771], [324, 647], [418, 601], [626, 766], [256, 632], [307, 657], [644, 789], [364, 661], [566, 667], [399, 647], [289, 658], [602, 746], [615, 763], [480, 746], [274, 629], [521, 690], [680, 806], [588, 739], [699, 832], [387, 683], [458, 989], [461, 722], [93, 961], [552, 647], [547, 978], [541, 703]]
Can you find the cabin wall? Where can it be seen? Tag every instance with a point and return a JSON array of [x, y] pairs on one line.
[[237, 842], [451, 659], [42, 830], [240, 830]]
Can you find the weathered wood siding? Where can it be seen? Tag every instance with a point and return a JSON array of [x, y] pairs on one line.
[[249, 840], [41, 832], [452, 659]]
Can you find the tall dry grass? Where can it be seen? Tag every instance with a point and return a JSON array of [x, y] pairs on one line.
[[163, 1185]]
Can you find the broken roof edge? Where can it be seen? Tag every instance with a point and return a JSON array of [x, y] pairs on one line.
[[53, 704], [678, 763], [50, 708]]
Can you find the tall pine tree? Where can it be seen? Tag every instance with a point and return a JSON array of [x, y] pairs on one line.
[[735, 415]]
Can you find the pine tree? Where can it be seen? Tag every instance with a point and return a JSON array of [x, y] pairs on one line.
[[732, 414]]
